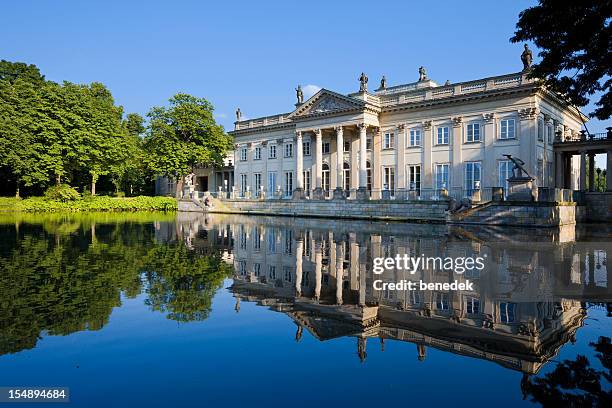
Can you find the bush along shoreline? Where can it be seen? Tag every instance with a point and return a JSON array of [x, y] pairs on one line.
[[66, 198]]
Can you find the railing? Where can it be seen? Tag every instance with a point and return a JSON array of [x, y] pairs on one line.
[[584, 137]]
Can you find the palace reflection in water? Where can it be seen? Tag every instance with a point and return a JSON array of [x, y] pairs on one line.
[[527, 302]]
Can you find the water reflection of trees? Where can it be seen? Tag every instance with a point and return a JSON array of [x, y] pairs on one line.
[[574, 383], [59, 278]]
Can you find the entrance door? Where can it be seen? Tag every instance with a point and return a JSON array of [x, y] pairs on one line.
[[203, 183]]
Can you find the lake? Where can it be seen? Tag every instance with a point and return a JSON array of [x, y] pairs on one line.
[[229, 310]]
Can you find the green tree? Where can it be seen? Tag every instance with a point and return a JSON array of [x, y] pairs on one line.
[[575, 39], [184, 135], [132, 173]]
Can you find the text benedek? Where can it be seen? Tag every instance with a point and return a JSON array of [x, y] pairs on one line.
[[420, 285]]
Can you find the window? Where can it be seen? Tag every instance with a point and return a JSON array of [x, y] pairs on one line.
[[325, 176], [389, 179], [306, 148], [271, 181], [272, 271], [287, 273], [540, 171], [472, 176], [550, 174], [346, 170], [507, 312], [347, 146], [442, 135], [257, 269], [272, 152], [289, 150], [288, 183], [243, 184], [288, 242], [550, 134], [325, 148], [257, 183], [389, 140], [504, 171], [307, 181], [369, 143], [368, 175], [472, 305], [257, 153], [243, 154], [414, 175], [441, 301], [257, 240], [540, 131], [415, 137], [506, 129], [473, 132], [271, 242], [415, 297], [242, 267], [441, 176]]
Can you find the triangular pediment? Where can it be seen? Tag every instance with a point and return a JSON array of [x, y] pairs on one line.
[[326, 102]]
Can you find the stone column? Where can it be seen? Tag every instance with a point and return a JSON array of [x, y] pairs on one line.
[[426, 171], [362, 193], [376, 168], [489, 165], [591, 171], [299, 252], [318, 191], [582, 185], [339, 271], [526, 134], [339, 190], [608, 175], [298, 192], [559, 171], [456, 166], [400, 162]]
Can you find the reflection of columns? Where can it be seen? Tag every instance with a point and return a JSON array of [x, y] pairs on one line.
[[591, 171], [339, 191], [363, 172], [422, 351], [318, 264], [361, 348], [362, 273], [339, 271], [299, 252], [318, 193], [299, 150], [582, 185]]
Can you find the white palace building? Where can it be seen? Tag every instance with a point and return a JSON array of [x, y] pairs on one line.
[[421, 137]]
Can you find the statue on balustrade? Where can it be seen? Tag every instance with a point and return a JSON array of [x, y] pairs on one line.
[[363, 83], [300, 95], [527, 58], [422, 74], [238, 115]]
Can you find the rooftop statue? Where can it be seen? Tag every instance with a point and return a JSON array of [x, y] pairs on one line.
[[363, 83], [238, 115], [422, 74], [527, 58], [383, 83], [299, 94]]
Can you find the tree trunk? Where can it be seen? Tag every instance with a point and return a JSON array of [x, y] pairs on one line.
[[93, 188], [58, 179], [179, 187], [17, 191]]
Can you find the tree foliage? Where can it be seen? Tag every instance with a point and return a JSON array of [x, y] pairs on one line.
[[575, 39]]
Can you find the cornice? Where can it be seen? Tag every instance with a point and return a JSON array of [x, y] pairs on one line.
[[259, 129]]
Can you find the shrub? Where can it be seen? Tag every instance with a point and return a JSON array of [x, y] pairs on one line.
[[63, 193], [119, 194]]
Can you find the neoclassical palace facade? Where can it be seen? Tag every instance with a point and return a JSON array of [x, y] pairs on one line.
[[420, 137]]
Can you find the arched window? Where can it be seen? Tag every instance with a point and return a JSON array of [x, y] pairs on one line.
[[369, 175], [325, 175], [346, 170]]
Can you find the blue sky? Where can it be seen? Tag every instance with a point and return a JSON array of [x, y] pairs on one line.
[[253, 54]]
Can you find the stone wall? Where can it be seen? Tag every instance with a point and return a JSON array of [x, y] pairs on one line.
[[598, 207], [430, 211], [535, 214]]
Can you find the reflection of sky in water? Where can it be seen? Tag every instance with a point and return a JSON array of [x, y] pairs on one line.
[[251, 357]]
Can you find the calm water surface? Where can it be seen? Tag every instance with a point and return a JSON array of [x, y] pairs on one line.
[[192, 310]]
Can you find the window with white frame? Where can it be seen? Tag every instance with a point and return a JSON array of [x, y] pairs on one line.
[[288, 149], [307, 181], [549, 131], [442, 135], [257, 240], [389, 140], [257, 155], [472, 133], [257, 183], [414, 175], [472, 305], [288, 183], [257, 269], [389, 178], [507, 129], [415, 137], [243, 183], [441, 301], [441, 175], [504, 171], [540, 130], [272, 271], [473, 176], [369, 143], [325, 148], [272, 152], [306, 148], [540, 171], [347, 146], [243, 154], [287, 273], [507, 312], [271, 241], [272, 181]]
